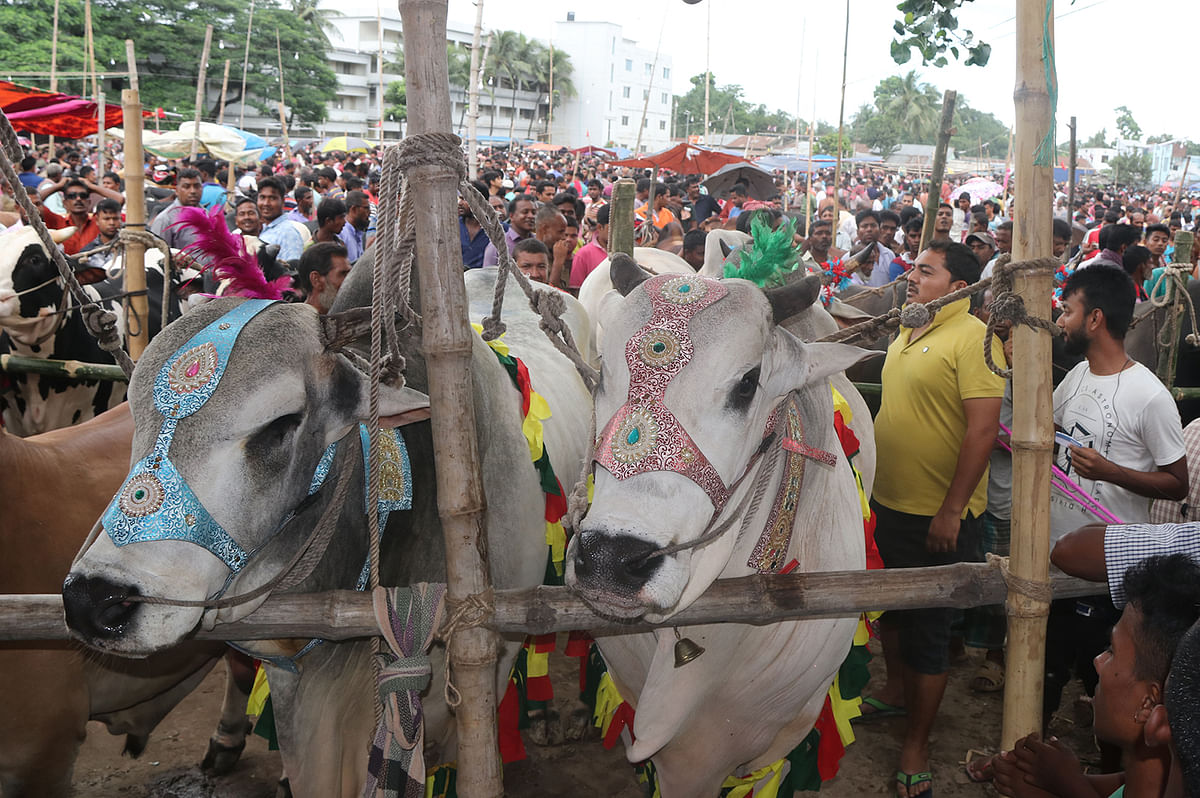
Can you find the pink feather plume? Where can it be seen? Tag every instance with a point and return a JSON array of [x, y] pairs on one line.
[[228, 257]]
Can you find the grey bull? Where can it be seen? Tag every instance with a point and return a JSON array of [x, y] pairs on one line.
[[249, 455], [702, 391]]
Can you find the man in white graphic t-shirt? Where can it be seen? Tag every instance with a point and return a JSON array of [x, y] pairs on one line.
[[1132, 449], [1131, 452]]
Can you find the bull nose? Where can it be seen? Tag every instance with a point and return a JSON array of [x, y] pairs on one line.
[[97, 608], [616, 560]]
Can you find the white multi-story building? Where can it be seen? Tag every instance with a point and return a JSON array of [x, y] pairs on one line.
[[614, 80]]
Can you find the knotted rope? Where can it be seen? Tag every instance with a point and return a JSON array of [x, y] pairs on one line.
[[1172, 281], [472, 611], [1007, 307], [100, 323], [1031, 589], [407, 618]]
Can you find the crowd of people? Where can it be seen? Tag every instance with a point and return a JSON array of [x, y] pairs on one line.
[[943, 487]]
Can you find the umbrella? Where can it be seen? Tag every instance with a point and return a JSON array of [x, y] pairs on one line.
[[759, 183], [345, 144], [686, 159], [980, 189]]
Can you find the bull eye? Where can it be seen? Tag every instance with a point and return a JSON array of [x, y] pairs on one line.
[[745, 389], [276, 432]]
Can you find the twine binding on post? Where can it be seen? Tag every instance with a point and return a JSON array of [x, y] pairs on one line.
[[472, 611], [1037, 591]]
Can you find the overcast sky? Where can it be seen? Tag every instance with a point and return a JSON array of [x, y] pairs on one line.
[[1108, 53]]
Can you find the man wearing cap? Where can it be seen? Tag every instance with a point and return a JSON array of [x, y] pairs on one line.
[[937, 422], [188, 191], [984, 247]]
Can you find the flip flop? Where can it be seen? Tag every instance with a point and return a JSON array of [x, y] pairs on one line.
[[907, 780], [988, 678], [879, 710], [979, 768]]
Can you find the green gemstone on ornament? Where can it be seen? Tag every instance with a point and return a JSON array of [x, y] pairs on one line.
[[683, 289], [139, 494], [634, 436], [659, 347]]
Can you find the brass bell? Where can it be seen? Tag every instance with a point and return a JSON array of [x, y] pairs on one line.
[[686, 650]]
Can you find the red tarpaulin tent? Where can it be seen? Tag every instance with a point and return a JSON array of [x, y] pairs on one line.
[[47, 113], [686, 159], [589, 149]]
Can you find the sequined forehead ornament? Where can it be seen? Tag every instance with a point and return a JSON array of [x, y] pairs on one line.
[[155, 503], [644, 435]]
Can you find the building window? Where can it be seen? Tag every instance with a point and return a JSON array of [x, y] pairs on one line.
[[649, 69], [664, 98], [666, 73], [628, 64], [662, 125], [624, 121], [645, 122], [625, 92]]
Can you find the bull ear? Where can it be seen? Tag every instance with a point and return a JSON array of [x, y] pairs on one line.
[[625, 274], [795, 297], [339, 330]]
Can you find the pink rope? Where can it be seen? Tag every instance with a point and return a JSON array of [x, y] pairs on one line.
[[1069, 487]]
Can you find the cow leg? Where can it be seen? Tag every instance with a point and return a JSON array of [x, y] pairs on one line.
[[227, 743]]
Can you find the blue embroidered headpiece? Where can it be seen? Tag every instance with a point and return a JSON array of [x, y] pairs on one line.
[[155, 502]]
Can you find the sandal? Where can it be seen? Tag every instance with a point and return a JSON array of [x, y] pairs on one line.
[[907, 780], [879, 710], [988, 678], [979, 768]]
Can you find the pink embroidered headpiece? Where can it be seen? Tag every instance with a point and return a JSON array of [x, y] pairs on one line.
[[644, 436]]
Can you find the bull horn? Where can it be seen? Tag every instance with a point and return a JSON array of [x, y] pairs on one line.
[[795, 297], [339, 330], [725, 248], [625, 274]]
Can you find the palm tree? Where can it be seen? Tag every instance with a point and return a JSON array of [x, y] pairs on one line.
[[309, 12], [458, 59], [915, 106], [509, 65], [564, 87]]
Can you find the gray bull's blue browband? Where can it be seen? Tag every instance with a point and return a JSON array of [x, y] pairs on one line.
[[155, 502]]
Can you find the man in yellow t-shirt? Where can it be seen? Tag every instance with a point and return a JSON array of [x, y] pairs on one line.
[[936, 427]]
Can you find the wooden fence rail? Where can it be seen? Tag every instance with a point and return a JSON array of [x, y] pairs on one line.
[[345, 614]]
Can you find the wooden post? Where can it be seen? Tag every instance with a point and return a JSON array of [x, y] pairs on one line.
[[550, 111], [224, 90], [245, 66], [101, 124], [89, 47], [837, 173], [1071, 176], [1182, 181], [137, 307], [707, 69], [287, 143], [937, 172], [379, 64], [1168, 353], [473, 96], [1033, 416], [447, 342], [620, 220], [200, 90], [54, 63]]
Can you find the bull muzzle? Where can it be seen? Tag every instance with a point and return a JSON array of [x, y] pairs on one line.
[[97, 609]]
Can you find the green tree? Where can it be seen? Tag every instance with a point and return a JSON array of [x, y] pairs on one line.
[[1097, 140], [931, 28], [828, 145], [1131, 169], [564, 86], [1126, 125], [1161, 138], [729, 111], [396, 98], [975, 130], [914, 106], [168, 36], [510, 66]]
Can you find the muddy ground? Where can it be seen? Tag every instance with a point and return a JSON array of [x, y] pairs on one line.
[[168, 768]]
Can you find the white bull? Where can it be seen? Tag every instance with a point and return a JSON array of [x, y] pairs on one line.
[[689, 394]]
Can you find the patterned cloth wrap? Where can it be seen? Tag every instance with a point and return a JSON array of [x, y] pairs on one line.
[[407, 618]]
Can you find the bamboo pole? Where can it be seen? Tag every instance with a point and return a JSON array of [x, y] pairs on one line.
[[1182, 182], [620, 221], [707, 64], [287, 142], [1168, 352], [71, 369], [90, 45], [1033, 417], [245, 67], [224, 91], [101, 124], [200, 90], [137, 306], [837, 174], [757, 600], [937, 171], [54, 63], [1071, 175], [447, 342], [550, 112], [473, 95], [379, 64]]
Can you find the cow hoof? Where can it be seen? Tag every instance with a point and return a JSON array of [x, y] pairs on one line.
[[578, 722], [220, 759], [545, 727], [135, 744], [283, 789]]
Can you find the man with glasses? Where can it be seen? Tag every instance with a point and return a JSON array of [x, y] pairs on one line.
[[78, 205]]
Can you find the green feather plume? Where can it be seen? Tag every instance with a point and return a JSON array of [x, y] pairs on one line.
[[772, 258]]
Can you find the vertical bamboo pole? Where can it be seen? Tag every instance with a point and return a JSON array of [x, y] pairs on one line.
[[137, 307], [54, 63], [447, 341], [287, 142], [937, 171], [837, 174], [1182, 182], [473, 95], [224, 92], [245, 66], [101, 124], [90, 47], [1071, 176], [620, 222], [1033, 417], [707, 65], [379, 64], [550, 112], [200, 90]]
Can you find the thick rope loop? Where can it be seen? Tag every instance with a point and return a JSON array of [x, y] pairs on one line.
[[1009, 308], [432, 149], [1041, 592], [468, 613]]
